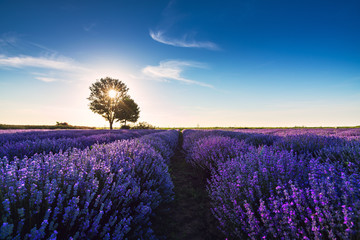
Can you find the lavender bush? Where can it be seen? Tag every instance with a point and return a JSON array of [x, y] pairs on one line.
[[107, 192], [22, 135], [307, 143], [208, 152], [163, 142], [45, 145], [303, 187], [255, 139], [347, 155], [191, 136], [346, 133], [17, 136], [275, 195]]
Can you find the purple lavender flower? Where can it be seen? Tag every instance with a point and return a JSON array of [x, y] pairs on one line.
[[108, 191]]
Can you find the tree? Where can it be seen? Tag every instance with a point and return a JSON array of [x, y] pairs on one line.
[[127, 110], [62, 124], [106, 96], [143, 125]]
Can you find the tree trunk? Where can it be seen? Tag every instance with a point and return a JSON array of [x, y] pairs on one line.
[[111, 125], [125, 122]]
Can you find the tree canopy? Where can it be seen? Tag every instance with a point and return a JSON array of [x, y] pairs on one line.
[[106, 98], [127, 110]]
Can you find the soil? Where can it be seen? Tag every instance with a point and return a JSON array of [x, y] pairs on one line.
[[188, 217]]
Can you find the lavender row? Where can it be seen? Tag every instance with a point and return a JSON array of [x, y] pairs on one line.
[[2, 131], [8, 138], [54, 145], [345, 152], [306, 143], [163, 142], [347, 155], [347, 133], [107, 192], [270, 193], [256, 139], [12, 137], [273, 194], [208, 152]]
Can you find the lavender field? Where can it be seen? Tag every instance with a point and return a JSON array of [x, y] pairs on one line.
[[99, 190], [281, 186], [124, 184]]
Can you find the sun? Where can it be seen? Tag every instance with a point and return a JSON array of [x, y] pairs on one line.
[[112, 93]]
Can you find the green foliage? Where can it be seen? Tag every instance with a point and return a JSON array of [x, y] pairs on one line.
[[62, 124], [127, 111], [100, 101], [143, 125]]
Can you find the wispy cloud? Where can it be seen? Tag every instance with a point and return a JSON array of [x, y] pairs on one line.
[[183, 42], [49, 65], [8, 41], [171, 70], [38, 62], [89, 27], [12, 44], [46, 79], [49, 68]]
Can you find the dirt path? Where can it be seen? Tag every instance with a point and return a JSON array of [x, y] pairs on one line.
[[188, 217]]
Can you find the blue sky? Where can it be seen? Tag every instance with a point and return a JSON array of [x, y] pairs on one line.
[[187, 63]]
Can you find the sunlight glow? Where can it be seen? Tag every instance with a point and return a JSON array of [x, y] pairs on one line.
[[112, 93]]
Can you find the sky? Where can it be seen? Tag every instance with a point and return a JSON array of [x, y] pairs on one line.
[[249, 63]]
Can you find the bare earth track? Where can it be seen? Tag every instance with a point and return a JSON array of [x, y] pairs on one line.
[[188, 216]]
